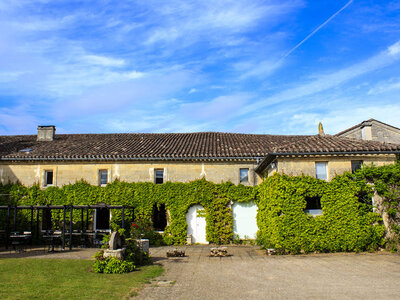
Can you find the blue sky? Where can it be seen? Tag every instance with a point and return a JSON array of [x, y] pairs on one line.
[[248, 66]]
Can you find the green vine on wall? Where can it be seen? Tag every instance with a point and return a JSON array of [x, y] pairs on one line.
[[385, 180], [344, 226], [347, 223], [177, 197]]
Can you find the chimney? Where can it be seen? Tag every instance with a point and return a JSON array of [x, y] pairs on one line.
[[366, 130], [46, 133], [320, 129]]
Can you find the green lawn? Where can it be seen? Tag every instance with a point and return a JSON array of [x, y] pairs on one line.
[[67, 279]]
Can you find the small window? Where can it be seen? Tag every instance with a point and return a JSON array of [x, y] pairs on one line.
[[313, 206], [48, 178], [244, 175], [103, 177], [321, 170], [159, 176], [355, 165]]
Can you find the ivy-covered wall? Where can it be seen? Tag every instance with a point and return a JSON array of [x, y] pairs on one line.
[[385, 181], [177, 197], [347, 223]]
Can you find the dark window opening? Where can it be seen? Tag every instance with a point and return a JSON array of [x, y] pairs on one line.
[[159, 176], [49, 177], [244, 175], [355, 165], [102, 218], [103, 177], [159, 217], [365, 201], [46, 220], [313, 203]]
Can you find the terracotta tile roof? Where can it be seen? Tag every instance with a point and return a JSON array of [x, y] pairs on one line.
[[201, 145], [329, 144]]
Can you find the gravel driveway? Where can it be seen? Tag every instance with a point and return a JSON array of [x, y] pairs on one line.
[[249, 274]]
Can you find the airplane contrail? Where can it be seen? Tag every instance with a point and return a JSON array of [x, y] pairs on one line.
[[316, 30]]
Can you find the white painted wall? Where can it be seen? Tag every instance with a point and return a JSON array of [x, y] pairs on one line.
[[245, 219], [196, 224]]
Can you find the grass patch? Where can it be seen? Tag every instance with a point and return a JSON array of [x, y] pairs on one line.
[[67, 279]]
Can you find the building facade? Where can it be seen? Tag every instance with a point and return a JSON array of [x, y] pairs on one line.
[[51, 159], [373, 130]]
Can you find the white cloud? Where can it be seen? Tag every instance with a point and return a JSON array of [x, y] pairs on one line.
[[103, 61], [331, 80], [218, 109], [394, 49], [217, 21], [383, 87]]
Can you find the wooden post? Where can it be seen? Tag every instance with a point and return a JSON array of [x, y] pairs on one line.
[[31, 225], [82, 219], [70, 229], [87, 218], [15, 218], [37, 223], [7, 226], [63, 231]]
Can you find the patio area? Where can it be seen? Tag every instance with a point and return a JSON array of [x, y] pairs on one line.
[[250, 274]]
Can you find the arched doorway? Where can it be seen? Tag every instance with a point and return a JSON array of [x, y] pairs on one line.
[[245, 220], [196, 221]]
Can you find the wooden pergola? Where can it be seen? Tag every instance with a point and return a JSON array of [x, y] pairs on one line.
[[12, 210]]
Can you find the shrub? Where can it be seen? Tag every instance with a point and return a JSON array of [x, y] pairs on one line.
[[112, 265]]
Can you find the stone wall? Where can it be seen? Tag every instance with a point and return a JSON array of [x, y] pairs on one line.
[[69, 172], [217, 172], [336, 165], [375, 131]]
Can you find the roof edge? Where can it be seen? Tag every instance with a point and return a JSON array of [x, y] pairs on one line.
[[271, 157]]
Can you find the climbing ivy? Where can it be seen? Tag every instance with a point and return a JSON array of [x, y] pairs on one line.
[[177, 197], [385, 181], [344, 226], [347, 223]]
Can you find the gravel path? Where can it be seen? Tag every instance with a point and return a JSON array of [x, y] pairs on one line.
[[249, 274]]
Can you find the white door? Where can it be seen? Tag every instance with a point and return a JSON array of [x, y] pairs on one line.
[[245, 219], [195, 218]]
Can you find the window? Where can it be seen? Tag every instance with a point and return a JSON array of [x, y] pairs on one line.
[[313, 206], [355, 165], [48, 178], [159, 176], [244, 175], [321, 170], [103, 177]]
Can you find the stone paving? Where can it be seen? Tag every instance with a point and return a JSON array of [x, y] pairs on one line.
[[250, 274]]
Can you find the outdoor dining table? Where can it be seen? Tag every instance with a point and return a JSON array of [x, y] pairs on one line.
[[51, 240], [19, 240]]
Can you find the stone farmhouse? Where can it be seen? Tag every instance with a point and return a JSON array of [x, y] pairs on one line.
[[51, 159], [373, 130]]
